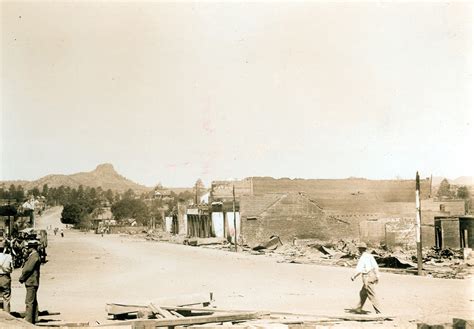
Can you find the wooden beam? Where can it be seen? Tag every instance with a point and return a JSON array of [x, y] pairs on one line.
[[117, 309], [183, 300], [179, 315], [190, 320], [201, 309], [63, 324], [159, 311], [309, 317]]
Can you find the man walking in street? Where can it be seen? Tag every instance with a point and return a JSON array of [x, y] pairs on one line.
[[31, 277], [6, 268], [368, 268]]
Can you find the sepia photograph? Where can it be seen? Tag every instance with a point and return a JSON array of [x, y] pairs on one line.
[[236, 164]]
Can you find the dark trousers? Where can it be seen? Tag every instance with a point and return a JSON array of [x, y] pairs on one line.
[[31, 302], [5, 291]]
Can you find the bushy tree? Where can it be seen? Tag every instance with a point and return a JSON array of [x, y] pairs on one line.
[[45, 191], [109, 196], [155, 209], [34, 191], [72, 214], [16, 192], [444, 189], [463, 192], [129, 194], [131, 208], [185, 196]]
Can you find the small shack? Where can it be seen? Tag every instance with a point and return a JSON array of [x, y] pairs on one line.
[[454, 231], [199, 223], [214, 220], [99, 218], [222, 217], [466, 228]]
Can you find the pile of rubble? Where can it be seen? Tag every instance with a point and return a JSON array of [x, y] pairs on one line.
[[158, 235], [446, 263]]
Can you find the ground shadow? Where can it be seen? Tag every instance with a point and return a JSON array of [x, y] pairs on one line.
[[356, 311]]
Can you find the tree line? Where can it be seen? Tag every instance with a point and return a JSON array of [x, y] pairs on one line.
[[82, 204], [87, 203]]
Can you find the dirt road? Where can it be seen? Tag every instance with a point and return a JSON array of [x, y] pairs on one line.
[[85, 271]]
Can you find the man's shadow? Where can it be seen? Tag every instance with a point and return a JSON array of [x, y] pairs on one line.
[[21, 315], [355, 311]]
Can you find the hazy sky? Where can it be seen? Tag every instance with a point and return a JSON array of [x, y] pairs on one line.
[[175, 92]]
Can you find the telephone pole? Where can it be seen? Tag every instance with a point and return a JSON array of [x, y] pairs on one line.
[[419, 253], [235, 219]]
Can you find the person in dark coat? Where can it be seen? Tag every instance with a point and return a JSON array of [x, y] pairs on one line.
[[6, 269], [30, 276]]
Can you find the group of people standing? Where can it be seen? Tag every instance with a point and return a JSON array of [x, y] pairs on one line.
[[56, 230], [30, 276]]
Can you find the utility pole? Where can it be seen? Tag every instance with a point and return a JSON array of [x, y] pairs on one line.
[[419, 253], [431, 186], [235, 219], [196, 194]]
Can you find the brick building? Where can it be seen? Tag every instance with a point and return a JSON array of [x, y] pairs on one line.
[[454, 231], [333, 208], [289, 216]]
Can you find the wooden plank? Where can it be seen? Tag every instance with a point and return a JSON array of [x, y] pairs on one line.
[[184, 300], [158, 310], [190, 320], [178, 315], [310, 317], [225, 325], [118, 309], [63, 324], [201, 309]]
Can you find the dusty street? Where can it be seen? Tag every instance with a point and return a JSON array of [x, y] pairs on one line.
[[85, 271]]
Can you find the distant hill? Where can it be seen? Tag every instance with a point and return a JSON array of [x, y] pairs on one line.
[[463, 180], [104, 176]]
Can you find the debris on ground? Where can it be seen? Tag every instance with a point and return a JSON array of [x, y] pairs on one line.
[[273, 243], [203, 241], [393, 262], [199, 316], [445, 263]]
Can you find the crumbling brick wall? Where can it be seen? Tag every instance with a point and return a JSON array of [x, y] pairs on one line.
[[318, 189], [401, 232], [450, 232], [289, 216]]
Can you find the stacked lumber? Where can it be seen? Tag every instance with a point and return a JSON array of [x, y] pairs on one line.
[[155, 310], [153, 316], [201, 316]]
